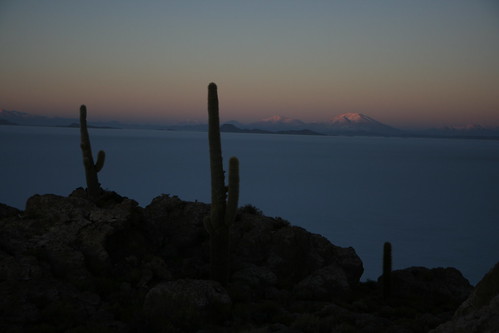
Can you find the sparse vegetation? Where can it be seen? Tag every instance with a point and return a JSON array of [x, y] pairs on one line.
[[250, 209]]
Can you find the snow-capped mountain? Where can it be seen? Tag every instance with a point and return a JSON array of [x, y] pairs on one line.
[[355, 124], [349, 120]]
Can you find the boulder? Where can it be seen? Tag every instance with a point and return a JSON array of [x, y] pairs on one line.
[[306, 263], [175, 230], [252, 282], [480, 312], [323, 284], [437, 289], [186, 305], [77, 237]]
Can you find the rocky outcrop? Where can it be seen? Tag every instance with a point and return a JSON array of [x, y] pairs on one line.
[[63, 260], [278, 255], [290, 258], [430, 288], [74, 264], [480, 312], [7, 211]]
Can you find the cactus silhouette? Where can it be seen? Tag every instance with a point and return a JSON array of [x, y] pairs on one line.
[[387, 270], [91, 169], [224, 199]]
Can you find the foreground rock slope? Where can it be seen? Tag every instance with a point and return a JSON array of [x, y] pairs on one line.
[[68, 264]]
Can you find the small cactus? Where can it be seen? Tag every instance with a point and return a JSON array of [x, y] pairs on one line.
[[91, 168], [387, 270], [224, 199]]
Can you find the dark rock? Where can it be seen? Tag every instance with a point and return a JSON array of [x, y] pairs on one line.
[[480, 312], [186, 305], [77, 237], [323, 284], [107, 265], [257, 277], [305, 262], [64, 256], [175, 230], [253, 236], [484, 292], [438, 288], [7, 211], [253, 282], [175, 223]]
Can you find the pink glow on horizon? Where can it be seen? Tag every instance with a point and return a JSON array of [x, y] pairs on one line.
[[404, 64]]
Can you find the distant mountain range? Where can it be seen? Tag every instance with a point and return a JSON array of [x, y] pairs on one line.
[[344, 124], [350, 124], [231, 128], [358, 124], [26, 119]]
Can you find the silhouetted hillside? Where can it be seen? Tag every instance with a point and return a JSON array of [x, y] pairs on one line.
[[74, 264]]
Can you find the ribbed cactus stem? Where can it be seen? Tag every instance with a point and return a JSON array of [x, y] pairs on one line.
[[91, 169], [218, 191], [387, 270], [233, 191], [222, 212]]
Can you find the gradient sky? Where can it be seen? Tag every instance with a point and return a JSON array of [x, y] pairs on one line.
[[402, 62]]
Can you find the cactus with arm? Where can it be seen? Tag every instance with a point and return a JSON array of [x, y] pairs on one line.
[[222, 212], [91, 168]]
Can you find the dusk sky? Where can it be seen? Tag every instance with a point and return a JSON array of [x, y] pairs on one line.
[[405, 63]]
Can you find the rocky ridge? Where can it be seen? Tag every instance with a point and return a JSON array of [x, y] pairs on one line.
[[69, 264]]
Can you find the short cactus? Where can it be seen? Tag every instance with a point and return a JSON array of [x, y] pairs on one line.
[[91, 169], [387, 270], [224, 199]]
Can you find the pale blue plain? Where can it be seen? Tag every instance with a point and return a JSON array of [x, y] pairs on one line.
[[435, 200]]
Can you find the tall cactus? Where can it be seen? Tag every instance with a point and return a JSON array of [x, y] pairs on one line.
[[224, 200], [91, 169], [387, 270]]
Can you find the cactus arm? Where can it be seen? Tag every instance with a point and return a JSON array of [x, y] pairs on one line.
[[101, 157], [233, 191]]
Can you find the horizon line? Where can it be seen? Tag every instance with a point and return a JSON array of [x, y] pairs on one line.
[[155, 120]]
